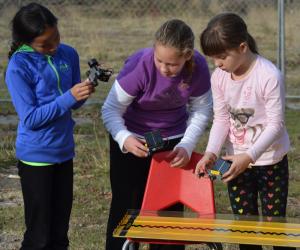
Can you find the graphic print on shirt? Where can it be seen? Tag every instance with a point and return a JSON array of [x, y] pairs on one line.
[[173, 96], [240, 131], [64, 67]]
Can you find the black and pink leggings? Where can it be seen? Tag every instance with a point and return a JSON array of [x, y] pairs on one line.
[[270, 183]]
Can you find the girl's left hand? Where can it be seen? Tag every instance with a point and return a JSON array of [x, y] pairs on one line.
[[179, 157], [240, 163]]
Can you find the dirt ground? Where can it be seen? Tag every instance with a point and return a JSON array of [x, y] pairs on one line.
[[10, 196]]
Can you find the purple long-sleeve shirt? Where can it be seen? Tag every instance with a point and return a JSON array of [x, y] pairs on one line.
[[160, 102]]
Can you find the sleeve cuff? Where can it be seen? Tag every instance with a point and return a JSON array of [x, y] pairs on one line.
[[188, 148], [67, 100], [211, 150], [252, 154], [120, 139]]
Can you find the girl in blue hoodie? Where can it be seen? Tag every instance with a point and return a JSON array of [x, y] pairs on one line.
[[43, 78]]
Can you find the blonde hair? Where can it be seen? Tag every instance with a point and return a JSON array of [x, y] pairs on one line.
[[176, 33]]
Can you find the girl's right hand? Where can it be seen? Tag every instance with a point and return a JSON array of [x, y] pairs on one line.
[[207, 161], [136, 146], [82, 91]]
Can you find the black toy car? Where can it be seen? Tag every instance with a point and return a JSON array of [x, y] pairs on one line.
[[154, 141]]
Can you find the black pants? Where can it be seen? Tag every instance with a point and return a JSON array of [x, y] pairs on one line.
[[128, 177], [270, 184], [48, 195]]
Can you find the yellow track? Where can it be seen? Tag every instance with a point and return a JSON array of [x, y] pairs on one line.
[[208, 230]]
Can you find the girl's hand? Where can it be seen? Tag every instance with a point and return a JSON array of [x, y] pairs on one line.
[[136, 146], [240, 163], [178, 157], [207, 161], [82, 91]]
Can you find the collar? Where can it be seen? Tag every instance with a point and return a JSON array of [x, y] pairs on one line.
[[25, 48]]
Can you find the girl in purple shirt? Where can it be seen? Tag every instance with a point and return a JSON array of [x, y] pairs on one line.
[[165, 88]]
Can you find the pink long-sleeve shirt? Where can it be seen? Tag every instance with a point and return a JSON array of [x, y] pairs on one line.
[[249, 114]]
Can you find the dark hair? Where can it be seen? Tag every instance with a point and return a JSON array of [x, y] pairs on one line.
[[28, 23], [224, 32], [176, 33]]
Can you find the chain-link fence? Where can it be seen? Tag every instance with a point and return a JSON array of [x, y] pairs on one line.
[[112, 29]]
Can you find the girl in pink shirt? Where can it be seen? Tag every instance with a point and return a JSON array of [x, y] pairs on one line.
[[248, 101]]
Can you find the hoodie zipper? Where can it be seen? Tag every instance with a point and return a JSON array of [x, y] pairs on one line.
[[56, 73]]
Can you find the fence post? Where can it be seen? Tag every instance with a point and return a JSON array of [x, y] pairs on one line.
[[281, 37]]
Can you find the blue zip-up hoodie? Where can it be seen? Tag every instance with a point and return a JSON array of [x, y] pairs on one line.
[[39, 86]]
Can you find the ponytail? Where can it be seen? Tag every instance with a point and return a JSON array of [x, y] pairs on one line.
[[13, 47], [252, 44], [190, 66]]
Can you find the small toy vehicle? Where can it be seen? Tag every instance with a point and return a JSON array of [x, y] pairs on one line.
[[154, 141], [221, 167]]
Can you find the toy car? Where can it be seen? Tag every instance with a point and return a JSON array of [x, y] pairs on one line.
[[154, 141], [221, 167]]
